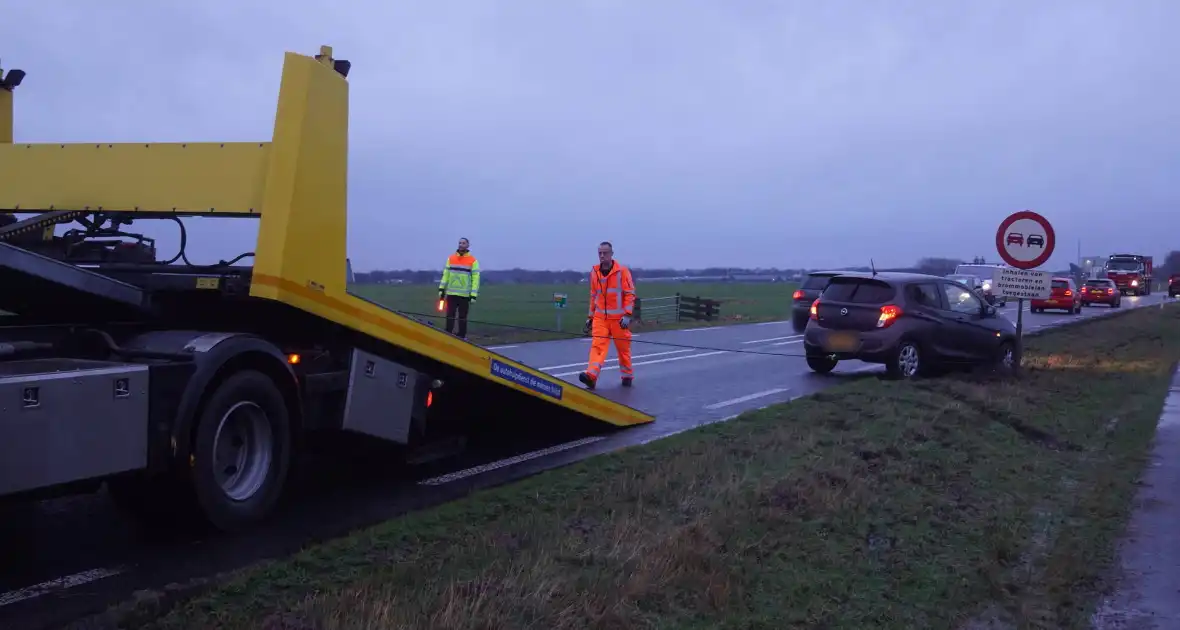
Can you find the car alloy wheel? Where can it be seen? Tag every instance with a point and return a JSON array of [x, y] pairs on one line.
[[908, 360]]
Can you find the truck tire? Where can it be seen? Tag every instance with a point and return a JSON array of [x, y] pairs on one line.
[[241, 451]]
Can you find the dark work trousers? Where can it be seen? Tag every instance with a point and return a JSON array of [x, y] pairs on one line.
[[458, 305]]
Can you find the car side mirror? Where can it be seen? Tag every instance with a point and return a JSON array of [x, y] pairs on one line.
[[989, 310]]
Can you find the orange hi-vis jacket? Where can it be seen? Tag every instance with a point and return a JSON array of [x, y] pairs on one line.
[[612, 296]]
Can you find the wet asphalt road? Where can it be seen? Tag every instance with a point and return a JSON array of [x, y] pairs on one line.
[[69, 557]]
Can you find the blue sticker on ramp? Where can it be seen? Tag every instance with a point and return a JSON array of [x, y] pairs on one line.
[[524, 379]]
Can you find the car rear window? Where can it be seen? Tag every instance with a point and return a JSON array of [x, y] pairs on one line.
[[858, 291], [816, 281], [1098, 283], [1060, 284]]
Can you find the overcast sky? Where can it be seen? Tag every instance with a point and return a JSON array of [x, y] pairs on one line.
[[690, 133]]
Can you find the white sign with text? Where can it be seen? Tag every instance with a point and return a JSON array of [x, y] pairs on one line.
[[1028, 284]]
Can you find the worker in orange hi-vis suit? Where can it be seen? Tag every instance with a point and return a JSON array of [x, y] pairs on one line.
[[612, 300]]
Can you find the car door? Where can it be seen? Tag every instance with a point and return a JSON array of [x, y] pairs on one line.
[[925, 302], [964, 334]]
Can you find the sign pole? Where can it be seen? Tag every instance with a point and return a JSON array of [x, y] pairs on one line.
[[1018, 347], [1025, 240], [559, 303]]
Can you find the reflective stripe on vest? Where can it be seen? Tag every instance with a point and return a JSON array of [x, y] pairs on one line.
[[460, 276], [612, 296]]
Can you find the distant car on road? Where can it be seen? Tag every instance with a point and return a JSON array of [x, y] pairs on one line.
[[913, 323], [980, 284], [1036, 239], [988, 274], [1064, 297], [1101, 291], [974, 282], [1015, 238], [812, 286], [1174, 285]]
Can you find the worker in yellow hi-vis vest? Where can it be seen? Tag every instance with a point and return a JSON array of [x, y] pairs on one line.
[[459, 286]]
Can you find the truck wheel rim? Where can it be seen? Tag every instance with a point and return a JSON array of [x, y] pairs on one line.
[[242, 450]]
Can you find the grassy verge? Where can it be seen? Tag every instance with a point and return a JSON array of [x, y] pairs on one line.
[[524, 312], [950, 503]]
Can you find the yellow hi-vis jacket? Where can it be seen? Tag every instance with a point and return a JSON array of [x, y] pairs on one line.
[[460, 276]]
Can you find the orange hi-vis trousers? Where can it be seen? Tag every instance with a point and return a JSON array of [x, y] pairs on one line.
[[603, 331]]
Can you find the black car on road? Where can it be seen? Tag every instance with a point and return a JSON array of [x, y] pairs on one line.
[[812, 286], [913, 323]]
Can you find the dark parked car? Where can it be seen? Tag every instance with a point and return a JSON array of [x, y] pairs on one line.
[[812, 286], [912, 323], [1174, 285]]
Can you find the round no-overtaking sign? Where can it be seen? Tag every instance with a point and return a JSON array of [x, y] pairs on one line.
[[1025, 240]]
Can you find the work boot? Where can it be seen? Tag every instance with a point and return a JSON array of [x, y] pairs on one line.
[[587, 380], [627, 381]]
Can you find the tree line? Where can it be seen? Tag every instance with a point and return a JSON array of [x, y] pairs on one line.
[[930, 265], [939, 266]]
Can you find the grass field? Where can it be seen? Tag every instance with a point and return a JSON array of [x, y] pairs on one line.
[[525, 312], [960, 502]]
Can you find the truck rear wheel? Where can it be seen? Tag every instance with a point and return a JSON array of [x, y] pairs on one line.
[[241, 451]]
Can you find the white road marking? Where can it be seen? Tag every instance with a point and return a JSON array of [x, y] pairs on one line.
[[746, 398], [483, 468], [501, 347], [701, 328], [787, 343], [58, 584], [615, 367], [785, 321], [772, 339], [637, 356]]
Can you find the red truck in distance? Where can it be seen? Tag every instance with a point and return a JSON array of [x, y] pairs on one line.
[[1132, 273]]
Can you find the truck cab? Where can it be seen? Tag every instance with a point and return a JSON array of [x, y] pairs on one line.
[[1131, 273]]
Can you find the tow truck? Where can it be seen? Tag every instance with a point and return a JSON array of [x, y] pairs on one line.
[[1132, 273], [193, 385]]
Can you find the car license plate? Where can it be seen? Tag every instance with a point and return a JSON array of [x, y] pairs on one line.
[[1050, 301], [842, 342]]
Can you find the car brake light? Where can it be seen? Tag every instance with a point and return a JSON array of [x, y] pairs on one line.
[[429, 399], [889, 313], [1068, 293], [798, 295], [1110, 291], [815, 310]]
